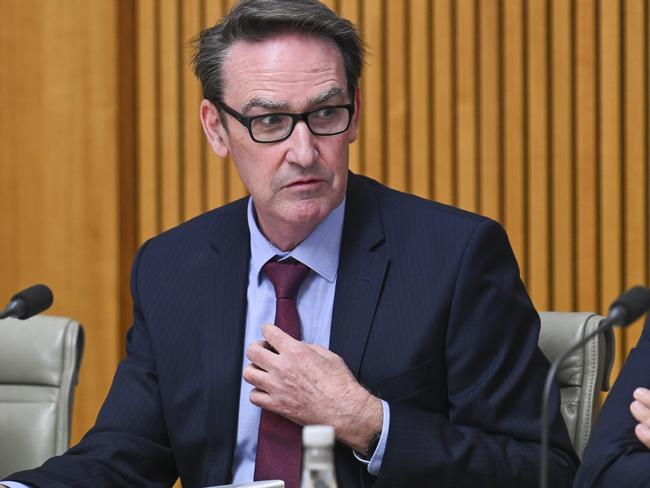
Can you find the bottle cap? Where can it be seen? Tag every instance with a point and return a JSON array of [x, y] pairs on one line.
[[318, 435]]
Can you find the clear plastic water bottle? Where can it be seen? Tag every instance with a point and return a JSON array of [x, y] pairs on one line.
[[318, 457]]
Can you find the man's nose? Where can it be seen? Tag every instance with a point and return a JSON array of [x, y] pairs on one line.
[[302, 147]]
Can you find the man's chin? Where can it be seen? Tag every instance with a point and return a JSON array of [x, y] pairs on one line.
[[306, 213], [312, 210]]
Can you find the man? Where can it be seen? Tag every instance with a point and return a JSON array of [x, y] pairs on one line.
[[416, 340], [618, 451]]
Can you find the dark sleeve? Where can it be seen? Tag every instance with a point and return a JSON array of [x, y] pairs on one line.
[[614, 456], [128, 445], [495, 376]]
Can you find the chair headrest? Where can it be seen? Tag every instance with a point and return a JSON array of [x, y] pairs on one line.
[[32, 351]]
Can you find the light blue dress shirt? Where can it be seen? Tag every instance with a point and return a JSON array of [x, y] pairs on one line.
[[320, 252], [315, 301]]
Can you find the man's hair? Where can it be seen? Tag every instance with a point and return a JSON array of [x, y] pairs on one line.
[[258, 20]]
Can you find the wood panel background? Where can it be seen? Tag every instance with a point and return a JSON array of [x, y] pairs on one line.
[[60, 172], [533, 112]]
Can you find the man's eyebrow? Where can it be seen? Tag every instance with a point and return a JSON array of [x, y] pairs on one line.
[[325, 96], [269, 104], [264, 103]]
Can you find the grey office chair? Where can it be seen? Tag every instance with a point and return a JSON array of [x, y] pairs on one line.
[[584, 374], [39, 364]]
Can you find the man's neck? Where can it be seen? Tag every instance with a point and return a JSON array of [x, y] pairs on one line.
[[286, 237]]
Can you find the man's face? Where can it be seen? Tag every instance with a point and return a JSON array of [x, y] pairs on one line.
[[297, 182]]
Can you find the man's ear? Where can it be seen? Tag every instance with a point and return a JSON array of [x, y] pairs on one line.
[[213, 128], [356, 117]]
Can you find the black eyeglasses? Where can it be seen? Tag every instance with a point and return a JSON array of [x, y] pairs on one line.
[[278, 126]]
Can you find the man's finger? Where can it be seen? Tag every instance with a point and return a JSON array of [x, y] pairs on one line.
[[640, 412], [261, 355], [642, 432], [260, 398], [263, 344], [276, 337], [255, 376], [642, 395]]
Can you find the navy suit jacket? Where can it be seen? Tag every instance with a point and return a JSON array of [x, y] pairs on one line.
[[429, 314], [614, 456]]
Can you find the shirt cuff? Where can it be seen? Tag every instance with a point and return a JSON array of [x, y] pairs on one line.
[[374, 463], [13, 484]]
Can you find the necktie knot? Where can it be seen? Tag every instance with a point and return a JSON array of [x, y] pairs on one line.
[[286, 276]]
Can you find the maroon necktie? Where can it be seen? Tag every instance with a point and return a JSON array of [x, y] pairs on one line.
[[279, 447]]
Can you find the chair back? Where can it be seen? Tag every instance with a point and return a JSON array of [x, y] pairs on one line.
[[584, 374], [39, 365]]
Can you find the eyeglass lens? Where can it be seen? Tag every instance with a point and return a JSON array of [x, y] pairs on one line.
[[326, 121]]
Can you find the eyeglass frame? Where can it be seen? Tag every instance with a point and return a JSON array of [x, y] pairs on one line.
[[247, 120]]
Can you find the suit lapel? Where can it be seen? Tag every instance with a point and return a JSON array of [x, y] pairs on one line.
[[226, 278], [362, 266]]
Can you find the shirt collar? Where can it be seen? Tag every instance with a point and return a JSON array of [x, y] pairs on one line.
[[319, 251]]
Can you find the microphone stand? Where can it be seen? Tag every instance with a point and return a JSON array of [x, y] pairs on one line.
[[605, 324], [11, 310]]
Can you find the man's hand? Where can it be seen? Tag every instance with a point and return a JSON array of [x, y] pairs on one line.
[[640, 409], [309, 384]]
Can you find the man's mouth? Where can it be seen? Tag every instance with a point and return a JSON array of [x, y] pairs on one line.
[[307, 183]]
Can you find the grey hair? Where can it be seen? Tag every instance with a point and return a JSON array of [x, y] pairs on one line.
[[258, 20]]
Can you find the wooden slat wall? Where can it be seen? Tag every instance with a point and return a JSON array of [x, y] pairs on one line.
[[533, 112], [59, 161], [179, 176]]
